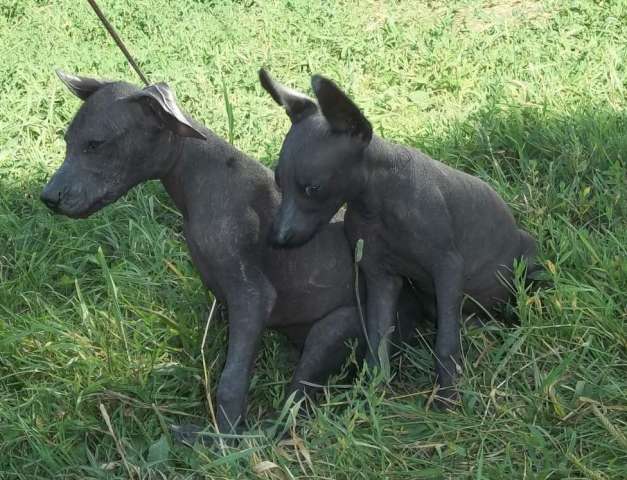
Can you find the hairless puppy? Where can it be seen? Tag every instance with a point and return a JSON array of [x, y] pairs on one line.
[[448, 231], [122, 136]]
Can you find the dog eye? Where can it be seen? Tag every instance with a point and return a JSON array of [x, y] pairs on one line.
[[310, 190], [92, 145]]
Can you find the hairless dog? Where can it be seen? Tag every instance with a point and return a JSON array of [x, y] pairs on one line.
[[446, 230], [122, 136]]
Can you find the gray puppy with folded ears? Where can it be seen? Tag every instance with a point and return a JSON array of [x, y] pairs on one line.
[[446, 230]]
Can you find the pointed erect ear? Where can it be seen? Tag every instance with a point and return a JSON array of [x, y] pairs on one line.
[[339, 110], [82, 87], [297, 105], [160, 99]]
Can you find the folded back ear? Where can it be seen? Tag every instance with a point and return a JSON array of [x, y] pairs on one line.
[[297, 105], [339, 110], [82, 87], [161, 101]]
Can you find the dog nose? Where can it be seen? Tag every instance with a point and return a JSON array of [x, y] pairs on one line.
[[51, 198], [281, 236]]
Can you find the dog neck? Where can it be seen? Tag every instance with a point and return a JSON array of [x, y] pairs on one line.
[[213, 158], [172, 179], [381, 161]]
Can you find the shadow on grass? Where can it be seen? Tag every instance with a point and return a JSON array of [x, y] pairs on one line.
[[570, 164]]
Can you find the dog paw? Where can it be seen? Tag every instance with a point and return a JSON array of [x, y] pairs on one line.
[[190, 434], [445, 400]]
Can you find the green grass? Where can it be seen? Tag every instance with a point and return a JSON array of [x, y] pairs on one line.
[[528, 95]]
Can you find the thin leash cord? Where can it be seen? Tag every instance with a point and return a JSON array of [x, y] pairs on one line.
[[117, 40]]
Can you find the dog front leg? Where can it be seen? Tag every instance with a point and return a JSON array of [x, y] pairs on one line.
[[325, 349], [382, 292], [448, 282], [248, 309]]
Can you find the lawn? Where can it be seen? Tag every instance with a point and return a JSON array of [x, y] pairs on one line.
[[101, 320]]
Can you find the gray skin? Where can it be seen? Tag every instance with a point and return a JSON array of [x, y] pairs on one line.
[[446, 230], [122, 136]]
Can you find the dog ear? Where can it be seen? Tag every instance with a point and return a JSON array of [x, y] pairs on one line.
[[160, 99], [82, 87], [339, 110], [297, 105]]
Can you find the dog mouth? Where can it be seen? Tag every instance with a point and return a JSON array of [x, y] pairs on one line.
[[76, 211], [291, 243], [294, 239]]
